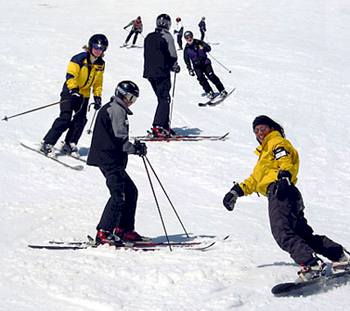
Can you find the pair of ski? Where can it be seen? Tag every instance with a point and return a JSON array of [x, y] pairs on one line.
[[148, 245], [216, 100], [330, 278], [55, 158]]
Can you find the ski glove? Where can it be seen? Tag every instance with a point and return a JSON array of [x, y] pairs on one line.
[[140, 148], [74, 93], [176, 68], [191, 72], [98, 102], [284, 184], [230, 198]]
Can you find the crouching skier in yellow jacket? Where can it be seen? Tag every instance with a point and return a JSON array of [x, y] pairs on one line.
[[85, 72], [275, 176]]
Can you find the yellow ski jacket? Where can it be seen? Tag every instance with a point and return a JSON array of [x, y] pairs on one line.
[[83, 75], [275, 154]]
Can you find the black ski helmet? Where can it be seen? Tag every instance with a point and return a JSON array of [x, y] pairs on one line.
[[100, 41], [127, 90], [188, 34], [163, 21]]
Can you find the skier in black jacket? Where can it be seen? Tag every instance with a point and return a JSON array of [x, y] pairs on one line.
[[196, 53], [110, 147], [202, 27], [160, 59]]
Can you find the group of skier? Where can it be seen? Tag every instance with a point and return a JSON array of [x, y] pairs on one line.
[[274, 176]]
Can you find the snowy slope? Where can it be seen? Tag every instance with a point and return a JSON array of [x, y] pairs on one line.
[[289, 59]]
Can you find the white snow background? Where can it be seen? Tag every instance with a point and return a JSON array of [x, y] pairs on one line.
[[289, 60]]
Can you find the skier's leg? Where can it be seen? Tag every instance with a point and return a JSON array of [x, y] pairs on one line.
[[127, 221], [203, 80], [129, 36], [61, 123], [208, 69], [78, 123], [135, 38], [283, 219], [321, 244], [162, 88], [112, 212]]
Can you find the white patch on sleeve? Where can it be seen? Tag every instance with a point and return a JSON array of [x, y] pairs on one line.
[[280, 152]]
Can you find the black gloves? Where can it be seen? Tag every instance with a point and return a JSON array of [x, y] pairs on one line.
[[140, 148], [284, 184], [176, 68], [191, 72], [98, 102], [74, 93], [230, 198]]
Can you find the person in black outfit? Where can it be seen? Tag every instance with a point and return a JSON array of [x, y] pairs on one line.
[[196, 53], [202, 28], [110, 147], [85, 72], [160, 59]]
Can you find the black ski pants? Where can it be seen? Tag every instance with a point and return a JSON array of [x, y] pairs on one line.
[[130, 34], [121, 207], [179, 40], [206, 71], [65, 121], [292, 232], [161, 87], [202, 34]]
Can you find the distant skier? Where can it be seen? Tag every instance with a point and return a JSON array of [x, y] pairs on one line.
[[275, 176], [179, 31], [196, 53], [202, 27], [136, 29], [85, 71], [110, 147], [160, 59]]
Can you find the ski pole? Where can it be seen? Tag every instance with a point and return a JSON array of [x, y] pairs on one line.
[[222, 65], [171, 204], [155, 198], [35, 109], [172, 101], [93, 118]]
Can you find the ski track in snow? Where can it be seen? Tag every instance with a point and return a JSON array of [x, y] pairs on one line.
[[289, 60]]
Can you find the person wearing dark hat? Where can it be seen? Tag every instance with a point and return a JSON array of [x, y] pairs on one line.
[[275, 176]]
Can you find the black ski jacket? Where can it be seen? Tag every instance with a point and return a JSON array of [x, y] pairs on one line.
[[110, 141], [159, 54]]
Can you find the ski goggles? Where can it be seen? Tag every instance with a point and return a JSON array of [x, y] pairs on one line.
[[99, 47], [130, 98]]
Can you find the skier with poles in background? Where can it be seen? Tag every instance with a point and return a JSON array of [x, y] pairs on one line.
[[198, 63], [85, 72], [110, 147], [160, 59], [179, 31], [275, 176], [136, 29]]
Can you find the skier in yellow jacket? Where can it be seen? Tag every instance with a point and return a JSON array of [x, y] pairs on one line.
[[275, 176], [85, 72]]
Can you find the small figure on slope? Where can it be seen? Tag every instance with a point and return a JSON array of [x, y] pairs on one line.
[[202, 27], [275, 176], [85, 71], [196, 53], [179, 31], [160, 59], [136, 29], [110, 147]]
